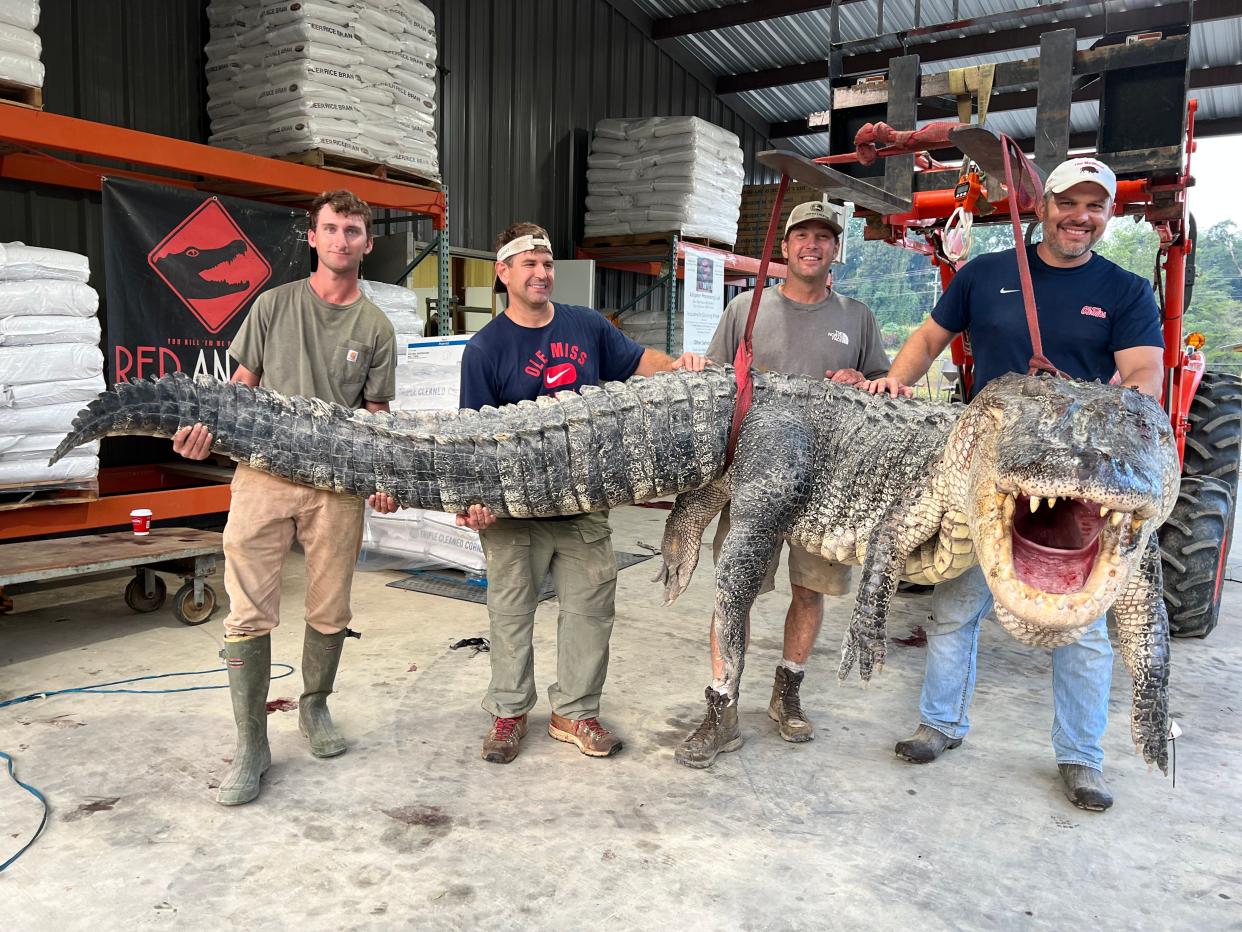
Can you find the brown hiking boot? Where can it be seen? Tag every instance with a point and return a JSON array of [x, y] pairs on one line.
[[717, 733], [502, 743], [925, 745], [786, 706], [592, 738]]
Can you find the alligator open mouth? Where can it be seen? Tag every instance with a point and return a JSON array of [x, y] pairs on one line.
[[1070, 549]]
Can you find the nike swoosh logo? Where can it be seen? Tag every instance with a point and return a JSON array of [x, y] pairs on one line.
[[559, 377], [1010, 290]]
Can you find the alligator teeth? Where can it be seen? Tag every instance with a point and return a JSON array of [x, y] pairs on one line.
[[1052, 502], [1103, 511], [1010, 504], [1116, 518], [1034, 504]]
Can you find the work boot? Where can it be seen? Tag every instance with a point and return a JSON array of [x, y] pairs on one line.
[[717, 733], [249, 662], [925, 745], [1085, 787], [503, 742], [592, 738], [786, 706], [321, 654]]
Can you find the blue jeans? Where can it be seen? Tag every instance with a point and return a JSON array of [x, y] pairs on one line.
[[1082, 673]]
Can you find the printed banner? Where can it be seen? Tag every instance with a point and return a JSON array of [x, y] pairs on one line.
[[183, 268], [702, 298]]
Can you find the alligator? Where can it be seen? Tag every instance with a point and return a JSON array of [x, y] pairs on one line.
[[187, 271], [1054, 486]]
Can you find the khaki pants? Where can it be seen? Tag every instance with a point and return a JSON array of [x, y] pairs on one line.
[[519, 554], [805, 569], [265, 516]]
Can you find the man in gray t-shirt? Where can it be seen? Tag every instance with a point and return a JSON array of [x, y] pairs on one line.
[[803, 327]]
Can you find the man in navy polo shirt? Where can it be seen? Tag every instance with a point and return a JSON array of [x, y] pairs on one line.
[[1095, 319], [539, 348]]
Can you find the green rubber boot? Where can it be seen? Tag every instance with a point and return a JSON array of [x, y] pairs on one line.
[[321, 654], [249, 661]]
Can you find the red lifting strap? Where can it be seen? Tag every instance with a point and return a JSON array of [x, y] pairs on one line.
[[872, 136], [1012, 153], [745, 357]]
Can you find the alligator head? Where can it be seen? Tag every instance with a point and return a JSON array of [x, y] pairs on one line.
[[201, 274], [1066, 481]]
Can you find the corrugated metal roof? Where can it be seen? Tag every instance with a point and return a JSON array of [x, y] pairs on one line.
[[804, 37]]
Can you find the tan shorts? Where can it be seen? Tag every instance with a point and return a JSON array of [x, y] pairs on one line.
[[805, 569]]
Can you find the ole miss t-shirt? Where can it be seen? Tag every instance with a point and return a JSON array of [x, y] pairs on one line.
[[1085, 313], [505, 363]]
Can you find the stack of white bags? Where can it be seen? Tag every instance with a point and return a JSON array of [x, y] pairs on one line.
[[20, 45], [664, 174], [348, 77], [50, 363]]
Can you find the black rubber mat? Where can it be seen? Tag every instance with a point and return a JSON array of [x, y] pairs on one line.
[[455, 584]]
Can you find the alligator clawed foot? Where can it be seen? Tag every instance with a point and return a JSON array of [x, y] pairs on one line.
[[675, 573]]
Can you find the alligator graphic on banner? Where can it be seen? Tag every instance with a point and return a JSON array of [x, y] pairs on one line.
[[182, 268]]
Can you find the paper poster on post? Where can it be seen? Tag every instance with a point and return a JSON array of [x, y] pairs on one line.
[[702, 298]]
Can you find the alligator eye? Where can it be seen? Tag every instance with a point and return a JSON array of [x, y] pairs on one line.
[[191, 252]]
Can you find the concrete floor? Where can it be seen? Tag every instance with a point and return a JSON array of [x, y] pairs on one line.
[[412, 829]]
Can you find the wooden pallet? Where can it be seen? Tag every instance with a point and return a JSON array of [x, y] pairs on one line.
[[19, 95], [349, 165], [32, 494], [649, 239]]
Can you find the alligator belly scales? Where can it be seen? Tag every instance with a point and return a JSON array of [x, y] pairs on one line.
[[1054, 487]]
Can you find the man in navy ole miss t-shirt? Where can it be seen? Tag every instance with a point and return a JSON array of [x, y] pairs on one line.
[[539, 348], [1095, 319]]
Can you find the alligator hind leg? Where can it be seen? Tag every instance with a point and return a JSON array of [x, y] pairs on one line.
[[683, 535], [771, 478]]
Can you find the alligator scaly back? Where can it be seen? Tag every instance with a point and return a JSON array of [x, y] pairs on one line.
[[609, 445]]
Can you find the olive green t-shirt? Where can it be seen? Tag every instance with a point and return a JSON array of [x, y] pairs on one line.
[[299, 344]]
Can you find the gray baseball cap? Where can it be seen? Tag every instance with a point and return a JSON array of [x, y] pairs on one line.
[[814, 210]]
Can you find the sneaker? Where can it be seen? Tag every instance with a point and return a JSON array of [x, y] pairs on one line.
[[592, 738], [925, 745], [786, 706], [717, 733], [1085, 787], [502, 743]]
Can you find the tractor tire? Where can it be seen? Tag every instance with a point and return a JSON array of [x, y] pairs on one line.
[[1194, 543], [1214, 440]]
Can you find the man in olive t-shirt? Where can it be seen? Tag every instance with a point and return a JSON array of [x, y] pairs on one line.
[[802, 328], [319, 338]]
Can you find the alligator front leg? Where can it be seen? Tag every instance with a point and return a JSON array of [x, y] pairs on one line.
[[904, 527], [771, 477], [683, 535], [1143, 638]]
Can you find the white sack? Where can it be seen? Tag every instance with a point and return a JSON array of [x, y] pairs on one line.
[[23, 13], [32, 472], [32, 330], [20, 41], [62, 391], [28, 365], [60, 298], [45, 419], [19, 262], [39, 447]]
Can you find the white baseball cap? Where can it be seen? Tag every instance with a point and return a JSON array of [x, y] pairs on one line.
[[1073, 171], [814, 210]]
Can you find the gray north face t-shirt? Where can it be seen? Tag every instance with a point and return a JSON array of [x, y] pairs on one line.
[[803, 339]]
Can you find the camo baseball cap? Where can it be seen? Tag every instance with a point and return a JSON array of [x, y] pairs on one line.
[[1073, 171], [814, 210]]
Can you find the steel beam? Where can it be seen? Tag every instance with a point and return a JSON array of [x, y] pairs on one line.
[[1003, 40]]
